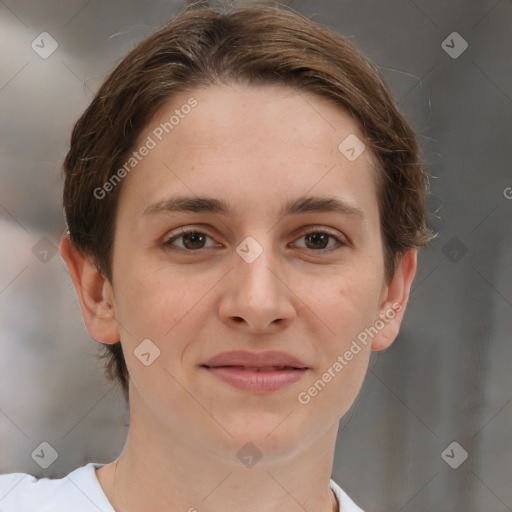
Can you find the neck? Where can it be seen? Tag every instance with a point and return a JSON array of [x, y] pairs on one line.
[[332, 507]]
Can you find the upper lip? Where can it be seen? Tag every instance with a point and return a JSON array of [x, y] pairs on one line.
[[254, 359]]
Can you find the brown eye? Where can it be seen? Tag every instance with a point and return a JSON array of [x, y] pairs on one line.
[[191, 240], [319, 240]]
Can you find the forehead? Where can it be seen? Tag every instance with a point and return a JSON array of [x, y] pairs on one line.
[[246, 115], [251, 142]]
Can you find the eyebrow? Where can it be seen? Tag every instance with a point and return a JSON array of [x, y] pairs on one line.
[[303, 204]]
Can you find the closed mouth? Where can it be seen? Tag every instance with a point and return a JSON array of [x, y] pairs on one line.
[[257, 368]]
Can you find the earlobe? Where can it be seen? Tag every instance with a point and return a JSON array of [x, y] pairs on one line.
[[94, 293], [394, 301]]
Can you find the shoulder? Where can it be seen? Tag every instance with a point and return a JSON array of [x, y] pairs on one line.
[[346, 503], [79, 491]]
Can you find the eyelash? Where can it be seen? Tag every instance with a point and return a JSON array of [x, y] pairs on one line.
[[185, 231]]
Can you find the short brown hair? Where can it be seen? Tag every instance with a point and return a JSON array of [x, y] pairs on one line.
[[266, 44]]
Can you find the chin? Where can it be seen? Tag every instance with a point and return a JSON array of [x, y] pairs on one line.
[[259, 437]]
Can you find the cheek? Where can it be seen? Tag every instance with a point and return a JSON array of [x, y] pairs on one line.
[[166, 305], [347, 303], [155, 305], [147, 304]]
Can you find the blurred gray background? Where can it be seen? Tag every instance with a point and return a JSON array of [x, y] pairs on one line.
[[446, 378]]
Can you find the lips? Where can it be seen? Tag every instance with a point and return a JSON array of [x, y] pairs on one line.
[[259, 369], [256, 361], [256, 372]]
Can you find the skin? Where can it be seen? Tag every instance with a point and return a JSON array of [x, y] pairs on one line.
[[254, 147]]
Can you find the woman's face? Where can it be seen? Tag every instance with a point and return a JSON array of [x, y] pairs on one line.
[[250, 279]]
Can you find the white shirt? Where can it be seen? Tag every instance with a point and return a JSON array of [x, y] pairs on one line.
[[80, 491]]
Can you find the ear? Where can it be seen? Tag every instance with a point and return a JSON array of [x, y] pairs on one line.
[[394, 301], [94, 292]]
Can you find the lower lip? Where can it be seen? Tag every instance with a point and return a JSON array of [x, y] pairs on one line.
[[257, 381]]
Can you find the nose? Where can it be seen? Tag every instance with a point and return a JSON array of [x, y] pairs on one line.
[[256, 297]]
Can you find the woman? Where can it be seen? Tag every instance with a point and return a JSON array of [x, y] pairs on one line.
[[244, 203]]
